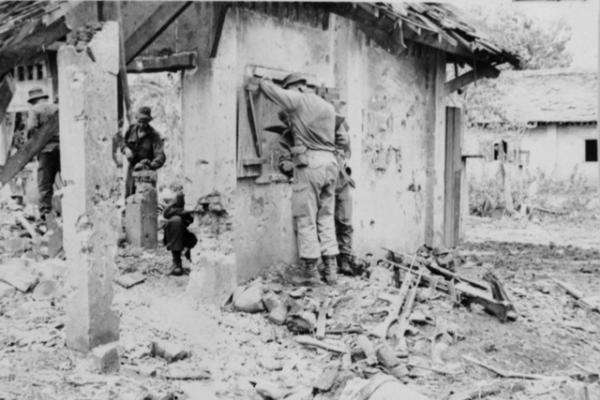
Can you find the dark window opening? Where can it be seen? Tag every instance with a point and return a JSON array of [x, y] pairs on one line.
[[30, 72], [21, 73], [591, 150], [40, 71], [500, 155]]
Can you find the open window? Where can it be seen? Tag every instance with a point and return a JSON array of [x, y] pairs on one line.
[[259, 127], [591, 150]]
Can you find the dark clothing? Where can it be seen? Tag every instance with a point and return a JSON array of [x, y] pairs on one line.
[[176, 235], [48, 167], [147, 147], [38, 116]]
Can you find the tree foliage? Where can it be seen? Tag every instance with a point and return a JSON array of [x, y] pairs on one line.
[[539, 45]]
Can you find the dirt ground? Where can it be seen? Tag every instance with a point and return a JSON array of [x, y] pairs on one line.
[[553, 335]]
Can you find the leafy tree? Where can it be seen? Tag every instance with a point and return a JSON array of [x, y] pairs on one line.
[[538, 45]]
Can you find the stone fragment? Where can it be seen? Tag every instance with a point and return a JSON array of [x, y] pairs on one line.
[[386, 357], [302, 322], [6, 290], [215, 280], [249, 299], [268, 390], [171, 352], [106, 357], [130, 279], [276, 308], [298, 293], [327, 378], [198, 391], [46, 288], [187, 372], [364, 349], [17, 273]]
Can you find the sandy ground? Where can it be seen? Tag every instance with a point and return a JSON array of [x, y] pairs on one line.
[[551, 335]]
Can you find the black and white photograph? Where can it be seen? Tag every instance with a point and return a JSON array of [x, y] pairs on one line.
[[207, 200]]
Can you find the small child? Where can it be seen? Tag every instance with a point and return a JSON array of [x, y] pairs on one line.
[[177, 237]]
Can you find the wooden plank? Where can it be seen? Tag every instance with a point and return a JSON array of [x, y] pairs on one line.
[[221, 11], [33, 146], [152, 27], [449, 178], [173, 62], [470, 77]]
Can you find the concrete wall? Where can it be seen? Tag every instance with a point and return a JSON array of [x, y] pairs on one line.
[[394, 126], [558, 152]]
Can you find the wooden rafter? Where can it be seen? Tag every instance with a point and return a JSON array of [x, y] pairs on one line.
[[470, 77], [152, 27]]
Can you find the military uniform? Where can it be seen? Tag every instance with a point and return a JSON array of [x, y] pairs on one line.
[[343, 197], [315, 171], [146, 147], [49, 156]]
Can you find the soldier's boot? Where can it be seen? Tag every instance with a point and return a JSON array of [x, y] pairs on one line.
[[330, 269], [346, 262], [310, 271], [177, 269]]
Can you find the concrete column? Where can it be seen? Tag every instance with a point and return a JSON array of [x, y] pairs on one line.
[[87, 85]]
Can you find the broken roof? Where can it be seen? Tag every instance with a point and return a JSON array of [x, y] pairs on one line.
[[539, 96], [442, 26], [26, 27]]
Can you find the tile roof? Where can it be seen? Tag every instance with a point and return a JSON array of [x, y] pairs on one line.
[[533, 96], [19, 19]]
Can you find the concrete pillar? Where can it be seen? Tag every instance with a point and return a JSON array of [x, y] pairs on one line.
[[87, 87], [141, 225]]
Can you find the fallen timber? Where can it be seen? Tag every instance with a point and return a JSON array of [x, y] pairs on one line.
[[489, 293]]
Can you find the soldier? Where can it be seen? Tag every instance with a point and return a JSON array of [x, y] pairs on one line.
[[143, 148], [343, 198], [49, 157], [315, 170]]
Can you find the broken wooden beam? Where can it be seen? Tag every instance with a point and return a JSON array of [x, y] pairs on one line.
[[577, 295], [152, 27], [467, 78], [174, 62], [509, 374], [32, 147], [312, 342]]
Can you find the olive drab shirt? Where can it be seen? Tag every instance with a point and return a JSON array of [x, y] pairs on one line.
[[39, 115], [312, 118], [148, 147]]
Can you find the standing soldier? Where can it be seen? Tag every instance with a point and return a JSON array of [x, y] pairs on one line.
[[49, 157], [343, 198], [143, 148], [315, 170]]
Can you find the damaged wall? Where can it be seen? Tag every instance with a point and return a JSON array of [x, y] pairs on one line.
[[393, 126]]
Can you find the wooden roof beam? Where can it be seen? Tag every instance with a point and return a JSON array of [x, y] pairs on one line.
[[467, 78], [152, 27]]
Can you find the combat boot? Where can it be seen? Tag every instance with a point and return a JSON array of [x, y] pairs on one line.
[[346, 263], [310, 271], [330, 269]]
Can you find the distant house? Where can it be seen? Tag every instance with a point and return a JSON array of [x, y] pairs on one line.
[[543, 123]]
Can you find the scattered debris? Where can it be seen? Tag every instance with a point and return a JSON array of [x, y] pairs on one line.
[[275, 307], [46, 288], [479, 392], [301, 322], [249, 299], [171, 352], [509, 374], [379, 387], [327, 379], [329, 344], [131, 279], [18, 274]]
